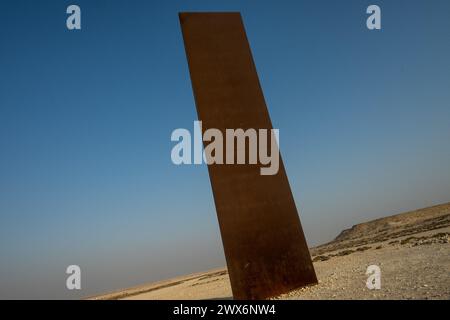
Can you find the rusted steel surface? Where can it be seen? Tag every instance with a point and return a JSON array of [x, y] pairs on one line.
[[265, 248]]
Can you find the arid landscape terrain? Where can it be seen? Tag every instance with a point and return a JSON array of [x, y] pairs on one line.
[[412, 250]]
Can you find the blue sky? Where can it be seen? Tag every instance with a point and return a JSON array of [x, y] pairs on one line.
[[86, 117]]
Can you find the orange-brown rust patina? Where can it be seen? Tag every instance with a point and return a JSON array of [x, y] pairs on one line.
[[264, 244]]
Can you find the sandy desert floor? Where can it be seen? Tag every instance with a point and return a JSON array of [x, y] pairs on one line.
[[412, 267]]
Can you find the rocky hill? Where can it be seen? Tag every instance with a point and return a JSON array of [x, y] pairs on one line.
[[389, 228]]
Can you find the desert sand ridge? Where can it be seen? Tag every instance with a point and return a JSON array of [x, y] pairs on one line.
[[411, 248]]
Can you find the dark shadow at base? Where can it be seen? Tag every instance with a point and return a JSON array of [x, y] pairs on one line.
[[221, 298]]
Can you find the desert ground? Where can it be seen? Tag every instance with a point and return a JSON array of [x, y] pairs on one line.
[[412, 250]]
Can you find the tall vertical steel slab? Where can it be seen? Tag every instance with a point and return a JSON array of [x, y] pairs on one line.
[[264, 244]]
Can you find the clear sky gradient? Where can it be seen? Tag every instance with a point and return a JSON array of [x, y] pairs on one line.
[[86, 116]]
